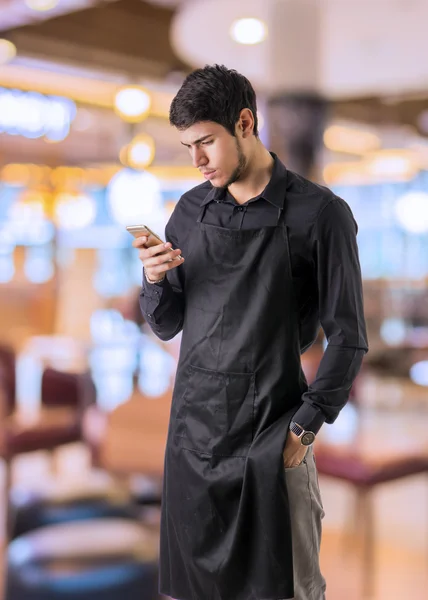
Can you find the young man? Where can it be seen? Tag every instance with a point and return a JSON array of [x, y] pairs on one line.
[[267, 257]]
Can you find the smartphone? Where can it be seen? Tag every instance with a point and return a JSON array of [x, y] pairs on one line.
[[152, 238]]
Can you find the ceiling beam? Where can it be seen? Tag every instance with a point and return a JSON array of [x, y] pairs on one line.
[[127, 35]]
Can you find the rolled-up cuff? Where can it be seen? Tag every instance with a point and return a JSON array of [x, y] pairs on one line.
[[309, 417]]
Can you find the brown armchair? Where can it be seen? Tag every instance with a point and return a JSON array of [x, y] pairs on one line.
[[64, 397], [7, 379]]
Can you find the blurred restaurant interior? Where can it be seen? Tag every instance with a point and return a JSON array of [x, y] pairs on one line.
[[85, 149]]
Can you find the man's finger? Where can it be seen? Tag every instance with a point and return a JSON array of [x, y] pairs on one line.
[[140, 241], [159, 259], [159, 249], [165, 258], [164, 267]]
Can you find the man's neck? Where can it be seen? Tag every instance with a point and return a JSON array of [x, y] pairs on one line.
[[256, 178]]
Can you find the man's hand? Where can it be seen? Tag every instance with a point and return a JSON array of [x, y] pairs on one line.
[[294, 452], [157, 260]]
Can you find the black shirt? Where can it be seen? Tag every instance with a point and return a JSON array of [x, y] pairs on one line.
[[325, 268]]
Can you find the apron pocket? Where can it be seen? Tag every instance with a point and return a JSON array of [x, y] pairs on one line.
[[218, 412]]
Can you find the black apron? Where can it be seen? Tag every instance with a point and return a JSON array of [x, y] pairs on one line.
[[225, 528]]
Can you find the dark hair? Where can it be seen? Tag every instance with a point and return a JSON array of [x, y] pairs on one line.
[[214, 93]]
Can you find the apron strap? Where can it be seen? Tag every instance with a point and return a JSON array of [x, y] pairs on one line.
[[202, 213], [281, 217]]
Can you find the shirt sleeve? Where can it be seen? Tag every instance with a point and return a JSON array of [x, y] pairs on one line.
[[162, 304], [341, 311]]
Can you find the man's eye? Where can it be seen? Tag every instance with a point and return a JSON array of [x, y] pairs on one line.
[[207, 143]]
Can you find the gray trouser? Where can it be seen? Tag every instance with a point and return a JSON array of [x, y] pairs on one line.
[[306, 513]]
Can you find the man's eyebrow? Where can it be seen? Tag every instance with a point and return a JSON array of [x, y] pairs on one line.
[[199, 140]]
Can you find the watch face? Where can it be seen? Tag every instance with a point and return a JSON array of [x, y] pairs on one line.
[[308, 438]]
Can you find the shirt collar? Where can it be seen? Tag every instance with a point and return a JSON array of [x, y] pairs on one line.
[[274, 192]]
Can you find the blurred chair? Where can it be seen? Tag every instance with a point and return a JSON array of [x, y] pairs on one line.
[[64, 397], [62, 502], [7, 378], [131, 439], [103, 559], [364, 473], [129, 443]]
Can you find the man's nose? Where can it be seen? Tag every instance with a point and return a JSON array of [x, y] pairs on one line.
[[199, 158]]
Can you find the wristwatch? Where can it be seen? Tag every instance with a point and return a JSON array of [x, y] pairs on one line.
[[306, 437]]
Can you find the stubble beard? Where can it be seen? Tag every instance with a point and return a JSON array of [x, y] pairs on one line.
[[240, 168]]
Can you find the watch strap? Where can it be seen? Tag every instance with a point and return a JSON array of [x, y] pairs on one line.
[[306, 437], [296, 429]]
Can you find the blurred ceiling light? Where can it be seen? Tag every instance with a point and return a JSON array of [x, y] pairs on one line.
[[249, 31], [28, 223], [16, 174], [7, 51], [30, 196], [411, 211], [392, 164], [132, 103], [419, 373], [140, 152], [383, 165], [135, 197], [34, 115], [350, 173], [393, 331], [67, 177], [350, 140], [41, 196], [388, 165], [74, 212], [105, 324], [42, 5], [38, 264]]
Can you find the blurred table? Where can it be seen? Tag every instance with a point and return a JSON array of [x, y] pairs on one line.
[[131, 439], [377, 434]]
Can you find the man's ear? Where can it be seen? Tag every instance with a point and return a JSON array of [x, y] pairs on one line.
[[246, 122]]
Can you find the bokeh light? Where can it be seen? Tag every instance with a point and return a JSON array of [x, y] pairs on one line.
[[132, 103], [248, 31]]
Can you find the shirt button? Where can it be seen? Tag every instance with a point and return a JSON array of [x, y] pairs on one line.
[[150, 315]]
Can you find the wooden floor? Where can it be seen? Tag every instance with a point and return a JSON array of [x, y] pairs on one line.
[[400, 575], [401, 526], [400, 522]]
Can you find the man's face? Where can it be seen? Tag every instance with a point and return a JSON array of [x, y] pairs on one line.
[[215, 152]]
